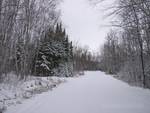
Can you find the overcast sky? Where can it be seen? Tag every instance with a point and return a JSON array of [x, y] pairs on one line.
[[84, 23]]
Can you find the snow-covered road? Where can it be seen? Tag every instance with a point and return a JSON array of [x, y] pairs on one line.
[[93, 93]]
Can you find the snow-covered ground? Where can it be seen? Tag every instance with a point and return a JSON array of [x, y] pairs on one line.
[[95, 92], [14, 91]]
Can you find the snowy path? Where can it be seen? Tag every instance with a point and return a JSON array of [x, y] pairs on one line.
[[93, 93]]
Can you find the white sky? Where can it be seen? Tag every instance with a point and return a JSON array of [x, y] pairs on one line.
[[84, 23]]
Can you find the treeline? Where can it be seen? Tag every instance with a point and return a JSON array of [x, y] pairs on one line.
[[84, 59], [31, 41], [127, 49]]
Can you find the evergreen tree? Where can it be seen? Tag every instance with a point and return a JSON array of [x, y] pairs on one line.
[[54, 56]]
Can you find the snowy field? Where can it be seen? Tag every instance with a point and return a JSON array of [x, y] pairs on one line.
[[93, 93]]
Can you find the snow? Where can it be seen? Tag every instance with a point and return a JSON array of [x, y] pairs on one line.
[[95, 92], [45, 65], [14, 91]]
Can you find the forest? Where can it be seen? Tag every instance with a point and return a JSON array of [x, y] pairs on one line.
[[126, 51], [33, 41], [38, 53]]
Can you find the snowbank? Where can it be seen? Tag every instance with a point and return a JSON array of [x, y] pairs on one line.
[[14, 91]]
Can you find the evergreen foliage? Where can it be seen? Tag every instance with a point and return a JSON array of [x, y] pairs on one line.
[[55, 52]]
